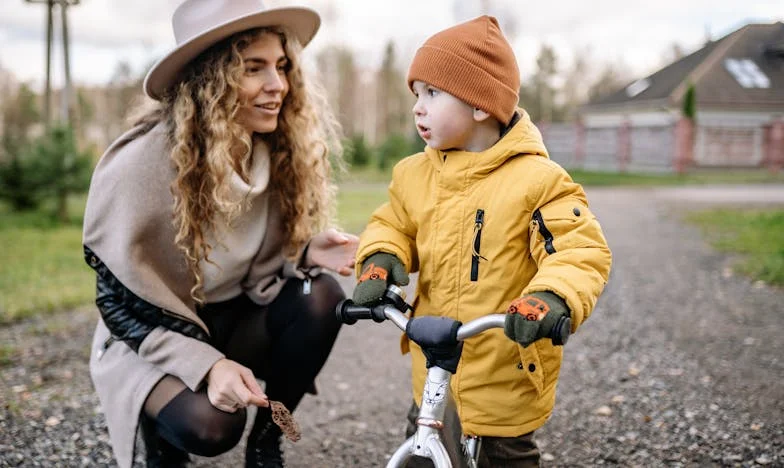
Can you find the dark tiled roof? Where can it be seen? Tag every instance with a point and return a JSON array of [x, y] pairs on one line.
[[714, 85]]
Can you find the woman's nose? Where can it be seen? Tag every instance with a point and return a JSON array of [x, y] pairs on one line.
[[274, 83]]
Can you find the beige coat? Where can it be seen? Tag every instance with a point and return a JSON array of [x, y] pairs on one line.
[[128, 225]]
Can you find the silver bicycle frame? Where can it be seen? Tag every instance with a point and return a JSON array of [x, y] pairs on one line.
[[426, 442]]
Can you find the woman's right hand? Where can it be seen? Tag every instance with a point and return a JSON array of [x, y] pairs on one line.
[[231, 386]]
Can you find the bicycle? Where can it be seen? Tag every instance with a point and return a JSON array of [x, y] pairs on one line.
[[441, 336]]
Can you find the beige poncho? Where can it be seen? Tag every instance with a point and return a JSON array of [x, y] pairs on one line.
[[128, 225]]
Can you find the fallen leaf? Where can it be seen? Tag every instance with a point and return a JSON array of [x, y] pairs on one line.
[[763, 460], [603, 411]]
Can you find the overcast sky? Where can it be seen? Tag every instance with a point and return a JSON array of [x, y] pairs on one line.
[[635, 34]]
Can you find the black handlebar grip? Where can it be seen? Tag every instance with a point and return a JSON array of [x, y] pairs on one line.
[[561, 331], [348, 312]]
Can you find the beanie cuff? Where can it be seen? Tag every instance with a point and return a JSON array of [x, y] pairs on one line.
[[464, 80]]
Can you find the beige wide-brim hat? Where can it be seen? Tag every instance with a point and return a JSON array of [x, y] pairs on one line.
[[199, 24]]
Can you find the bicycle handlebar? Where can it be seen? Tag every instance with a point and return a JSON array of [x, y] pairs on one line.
[[395, 306], [348, 312]]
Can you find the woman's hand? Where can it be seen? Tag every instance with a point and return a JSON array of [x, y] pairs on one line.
[[231, 386], [333, 250]]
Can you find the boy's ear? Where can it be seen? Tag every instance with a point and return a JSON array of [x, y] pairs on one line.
[[480, 115]]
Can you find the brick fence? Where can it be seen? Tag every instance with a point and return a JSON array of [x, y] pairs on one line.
[[675, 147]]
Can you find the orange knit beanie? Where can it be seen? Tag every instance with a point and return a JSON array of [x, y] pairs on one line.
[[474, 62]]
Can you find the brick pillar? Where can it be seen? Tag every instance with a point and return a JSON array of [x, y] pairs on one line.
[[775, 155], [579, 144], [684, 145], [624, 145]]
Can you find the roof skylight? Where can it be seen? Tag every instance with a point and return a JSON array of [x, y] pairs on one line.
[[746, 73], [637, 87]]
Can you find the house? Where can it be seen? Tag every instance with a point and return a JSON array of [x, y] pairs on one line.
[[738, 82]]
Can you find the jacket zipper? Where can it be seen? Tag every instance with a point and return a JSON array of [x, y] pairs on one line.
[[548, 236], [479, 222], [106, 345]]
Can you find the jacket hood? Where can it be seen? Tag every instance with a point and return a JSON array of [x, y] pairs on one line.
[[522, 139]]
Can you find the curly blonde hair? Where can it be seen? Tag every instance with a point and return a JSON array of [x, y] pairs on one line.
[[207, 142]]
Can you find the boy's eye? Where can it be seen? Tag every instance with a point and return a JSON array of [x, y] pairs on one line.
[[431, 92]]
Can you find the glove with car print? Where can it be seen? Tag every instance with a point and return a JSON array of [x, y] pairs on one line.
[[536, 316], [378, 270]]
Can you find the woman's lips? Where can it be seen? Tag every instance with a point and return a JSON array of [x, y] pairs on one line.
[[267, 110]]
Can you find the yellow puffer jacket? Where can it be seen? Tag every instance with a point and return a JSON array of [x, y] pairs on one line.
[[531, 227]]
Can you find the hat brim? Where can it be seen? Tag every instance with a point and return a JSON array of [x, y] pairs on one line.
[[301, 22]]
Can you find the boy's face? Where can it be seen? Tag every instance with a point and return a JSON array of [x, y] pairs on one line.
[[442, 120]]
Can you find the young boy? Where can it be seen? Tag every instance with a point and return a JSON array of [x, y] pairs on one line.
[[491, 224]]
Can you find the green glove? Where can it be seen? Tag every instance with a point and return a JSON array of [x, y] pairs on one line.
[[536, 316], [379, 270]]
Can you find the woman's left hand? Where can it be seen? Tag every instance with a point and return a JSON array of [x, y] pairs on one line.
[[333, 250]]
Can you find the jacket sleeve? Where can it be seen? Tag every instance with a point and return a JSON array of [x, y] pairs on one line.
[[390, 228], [568, 246], [177, 347]]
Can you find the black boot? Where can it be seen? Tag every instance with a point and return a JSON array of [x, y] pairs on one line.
[[263, 449], [159, 452]]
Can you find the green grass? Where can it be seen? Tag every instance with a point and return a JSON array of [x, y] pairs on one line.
[[594, 178], [589, 178], [41, 265], [756, 234], [365, 175], [356, 202], [7, 354]]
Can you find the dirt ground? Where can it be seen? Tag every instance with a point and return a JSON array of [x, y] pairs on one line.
[[681, 364]]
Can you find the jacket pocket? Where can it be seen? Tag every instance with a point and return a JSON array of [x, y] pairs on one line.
[[538, 224], [531, 365], [476, 244]]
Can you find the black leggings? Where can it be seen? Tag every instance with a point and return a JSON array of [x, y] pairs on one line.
[[285, 344]]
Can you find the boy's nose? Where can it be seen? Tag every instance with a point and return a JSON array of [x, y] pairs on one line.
[[418, 108]]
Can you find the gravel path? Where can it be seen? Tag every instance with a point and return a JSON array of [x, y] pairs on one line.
[[681, 365]]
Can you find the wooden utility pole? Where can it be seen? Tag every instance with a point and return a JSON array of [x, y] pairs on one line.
[[66, 96], [67, 91]]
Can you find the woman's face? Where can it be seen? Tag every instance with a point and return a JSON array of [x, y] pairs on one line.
[[264, 84]]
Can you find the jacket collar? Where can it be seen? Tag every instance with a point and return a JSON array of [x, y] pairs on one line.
[[521, 139]]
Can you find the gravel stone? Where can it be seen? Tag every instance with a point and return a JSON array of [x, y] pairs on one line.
[[680, 365]]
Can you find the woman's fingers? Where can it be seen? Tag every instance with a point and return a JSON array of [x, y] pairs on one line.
[[222, 401], [232, 386], [335, 237], [334, 250], [256, 396]]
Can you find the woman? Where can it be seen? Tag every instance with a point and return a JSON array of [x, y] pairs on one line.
[[201, 224]]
